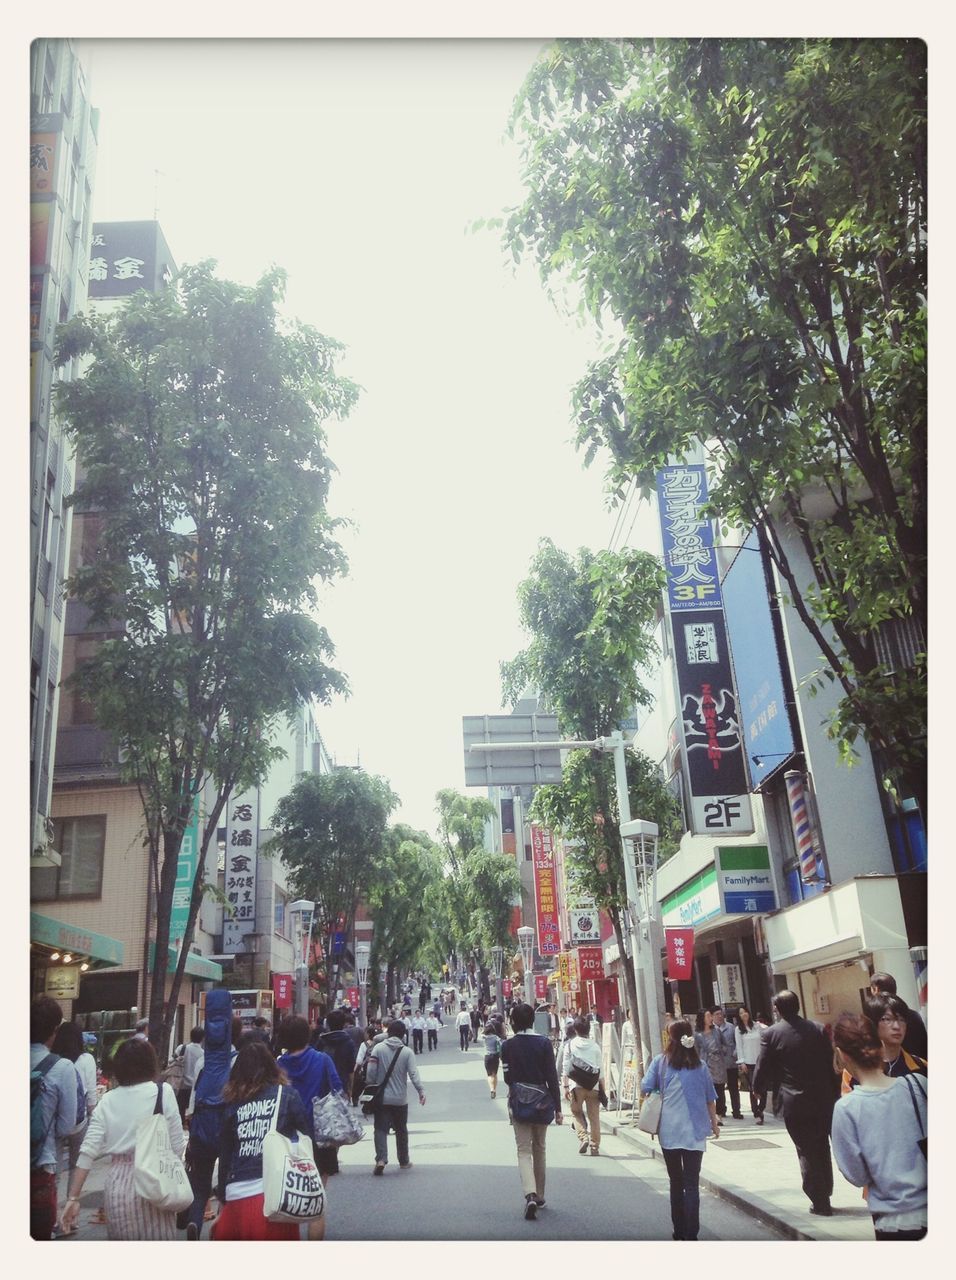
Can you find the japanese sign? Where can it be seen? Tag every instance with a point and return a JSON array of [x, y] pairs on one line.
[[590, 963], [583, 922], [185, 877], [708, 718], [541, 986], [680, 953], [242, 846], [564, 969], [282, 990], [126, 257], [506, 987], [352, 995], [729, 984], [545, 895], [43, 143], [744, 881], [62, 982]]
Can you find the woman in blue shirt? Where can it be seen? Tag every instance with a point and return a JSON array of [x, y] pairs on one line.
[[688, 1117]]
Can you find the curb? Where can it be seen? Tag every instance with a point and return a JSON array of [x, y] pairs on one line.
[[755, 1208]]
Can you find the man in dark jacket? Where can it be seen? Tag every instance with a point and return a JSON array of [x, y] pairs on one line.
[[205, 1125], [796, 1062], [528, 1058]]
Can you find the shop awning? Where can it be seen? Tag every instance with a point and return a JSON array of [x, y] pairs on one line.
[[196, 966], [79, 941]]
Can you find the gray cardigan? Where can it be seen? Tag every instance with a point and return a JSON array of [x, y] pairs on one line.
[[396, 1091]]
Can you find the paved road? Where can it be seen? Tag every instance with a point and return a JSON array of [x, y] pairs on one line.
[[464, 1184]]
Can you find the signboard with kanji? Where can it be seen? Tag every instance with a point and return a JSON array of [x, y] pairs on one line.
[[590, 963], [282, 990], [680, 953], [242, 851], [541, 986], [545, 893], [506, 987]]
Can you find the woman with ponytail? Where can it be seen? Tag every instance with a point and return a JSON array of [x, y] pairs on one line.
[[688, 1117]]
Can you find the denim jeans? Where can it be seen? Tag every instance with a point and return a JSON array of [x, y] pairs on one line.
[[200, 1179], [683, 1169], [391, 1117]]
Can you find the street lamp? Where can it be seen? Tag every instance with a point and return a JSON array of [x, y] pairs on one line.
[[304, 913], [363, 952], [640, 841], [498, 960], [383, 989], [526, 943]]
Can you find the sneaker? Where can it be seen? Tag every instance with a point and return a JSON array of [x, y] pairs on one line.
[[530, 1208], [406, 1166], [758, 1119], [719, 1120], [493, 1094], [737, 1115], [379, 1169], [540, 1201], [822, 1209], [583, 1148], [595, 1152]]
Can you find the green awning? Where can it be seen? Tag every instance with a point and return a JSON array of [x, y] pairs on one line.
[[196, 966], [76, 939]]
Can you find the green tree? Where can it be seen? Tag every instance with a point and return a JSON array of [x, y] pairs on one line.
[[590, 619], [752, 214], [199, 439], [411, 866], [331, 833]]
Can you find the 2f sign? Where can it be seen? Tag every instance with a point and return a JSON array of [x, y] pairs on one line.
[[722, 813]]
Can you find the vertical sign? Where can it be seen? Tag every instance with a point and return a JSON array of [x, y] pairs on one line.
[[282, 990], [709, 721], [545, 899], [680, 953], [564, 970], [730, 984], [590, 963], [540, 986], [574, 973], [185, 877], [352, 995], [506, 987], [584, 923], [242, 846]]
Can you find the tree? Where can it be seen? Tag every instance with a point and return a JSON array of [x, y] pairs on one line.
[[411, 866], [590, 618], [331, 833], [752, 214], [199, 439]]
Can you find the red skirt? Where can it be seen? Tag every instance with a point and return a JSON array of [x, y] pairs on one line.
[[244, 1220]]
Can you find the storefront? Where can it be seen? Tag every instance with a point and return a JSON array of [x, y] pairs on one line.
[[75, 966]]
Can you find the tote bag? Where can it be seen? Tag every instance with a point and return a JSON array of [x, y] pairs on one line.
[[291, 1185], [159, 1174], [334, 1123], [649, 1117]]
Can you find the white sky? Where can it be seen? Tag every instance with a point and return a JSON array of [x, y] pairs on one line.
[[358, 167]]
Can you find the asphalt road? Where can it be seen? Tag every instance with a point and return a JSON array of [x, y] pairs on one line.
[[464, 1184]]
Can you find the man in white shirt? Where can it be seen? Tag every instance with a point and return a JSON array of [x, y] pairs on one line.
[[192, 1061], [418, 1032], [431, 1026], [581, 1078], [463, 1023]]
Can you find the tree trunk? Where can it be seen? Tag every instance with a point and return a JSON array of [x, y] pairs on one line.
[[160, 1017]]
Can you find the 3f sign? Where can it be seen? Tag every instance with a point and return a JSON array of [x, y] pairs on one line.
[[702, 591]]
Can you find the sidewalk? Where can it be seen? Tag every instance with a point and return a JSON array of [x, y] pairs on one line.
[[755, 1168]]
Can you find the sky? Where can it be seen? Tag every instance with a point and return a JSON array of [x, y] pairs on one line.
[[359, 166]]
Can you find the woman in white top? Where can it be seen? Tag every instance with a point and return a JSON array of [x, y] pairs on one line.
[[747, 1037], [112, 1131]]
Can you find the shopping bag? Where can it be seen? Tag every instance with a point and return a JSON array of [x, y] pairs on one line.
[[334, 1123], [649, 1117], [159, 1174], [291, 1184]]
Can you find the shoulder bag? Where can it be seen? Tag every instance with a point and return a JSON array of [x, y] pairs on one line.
[[334, 1123], [159, 1174], [291, 1184], [923, 1140], [530, 1104], [372, 1095], [649, 1116]]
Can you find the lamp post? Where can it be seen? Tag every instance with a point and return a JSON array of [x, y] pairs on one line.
[[526, 943], [363, 952], [304, 913], [383, 990], [498, 960]]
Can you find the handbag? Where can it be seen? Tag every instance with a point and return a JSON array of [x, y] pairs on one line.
[[334, 1123], [291, 1184], [159, 1174], [649, 1116], [923, 1141], [530, 1104], [372, 1095]]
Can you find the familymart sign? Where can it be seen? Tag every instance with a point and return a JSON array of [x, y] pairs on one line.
[[738, 882]]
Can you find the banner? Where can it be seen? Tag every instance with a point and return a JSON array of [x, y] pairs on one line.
[[709, 722], [564, 969], [680, 953], [282, 990], [352, 995], [541, 986], [574, 973], [545, 896], [185, 876], [506, 987], [242, 852], [590, 963]]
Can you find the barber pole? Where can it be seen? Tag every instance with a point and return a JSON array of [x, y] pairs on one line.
[[802, 826]]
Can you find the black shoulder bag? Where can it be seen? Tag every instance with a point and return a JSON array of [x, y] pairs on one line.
[[371, 1098]]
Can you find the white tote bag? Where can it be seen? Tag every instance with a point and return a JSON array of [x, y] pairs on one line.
[[159, 1174], [292, 1187]]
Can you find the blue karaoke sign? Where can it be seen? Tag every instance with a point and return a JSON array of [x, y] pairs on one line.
[[690, 562]]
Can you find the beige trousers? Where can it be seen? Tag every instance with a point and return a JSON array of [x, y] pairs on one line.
[[530, 1141], [586, 1100]]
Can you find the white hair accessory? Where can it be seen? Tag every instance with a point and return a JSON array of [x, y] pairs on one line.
[[687, 1042]]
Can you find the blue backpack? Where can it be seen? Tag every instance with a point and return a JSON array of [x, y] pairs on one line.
[[39, 1130], [205, 1127]]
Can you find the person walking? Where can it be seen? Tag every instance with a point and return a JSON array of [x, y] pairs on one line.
[[710, 1047], [68, 1043], [206, 1108], [432, 1026], [54, 1113], [340, 1045], [747, 1041], [914, 1042], [688, 1117], [494, 1039], [879, 1133], [889, 1017], [256, 1088], [312, 1074], [796, 1063], [192, 1060], [725, 1030], [393, 1056], [418, 1033], [581, 1079], [528, 1059], [475, 1018], [463, 1023], [112, 1131]]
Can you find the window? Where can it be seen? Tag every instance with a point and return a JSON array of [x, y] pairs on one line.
[[282, 901], [80, 843]]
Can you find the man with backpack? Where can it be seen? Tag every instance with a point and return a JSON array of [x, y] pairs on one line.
[[208, 1108], [581, 1078], [54, 1113]]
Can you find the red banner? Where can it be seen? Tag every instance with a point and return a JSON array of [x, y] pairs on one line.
[[541, 986], [680, 953], [590, 963], [506, 987], [352, 995], [545, 895], [282, 990]]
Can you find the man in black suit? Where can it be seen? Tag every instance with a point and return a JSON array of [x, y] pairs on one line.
[[796, 1062]]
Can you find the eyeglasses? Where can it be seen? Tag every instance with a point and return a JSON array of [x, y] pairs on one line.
[[890, 1020]]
